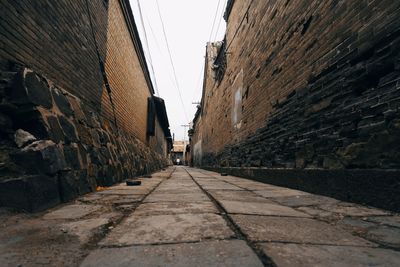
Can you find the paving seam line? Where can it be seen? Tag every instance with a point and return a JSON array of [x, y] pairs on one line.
[[124, 216], [266, 261], [379, 245], [170, 243]]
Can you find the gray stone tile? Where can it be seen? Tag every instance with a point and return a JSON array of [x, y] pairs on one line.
[[168, 229], [316, 212], [75, 211], [260, 208], [351, 209], [125, 192], [127, 199], [280, 193], [211, 253], [304, 200], [254, 186], [356, 224], [86, 229], [389, 236], [180, 197], [158, 208], [237, 195], [289, 255], [386, 220], [220, 186], [179, 190], [299, 230]]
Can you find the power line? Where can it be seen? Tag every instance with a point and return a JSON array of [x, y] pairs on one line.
[[172, 62], [158, 46], [215, 17], [198, 83], [148, 48], [220, 19]]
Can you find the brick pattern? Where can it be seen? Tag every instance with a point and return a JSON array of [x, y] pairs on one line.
[[69, 142], [320, 89], [126, 78], [55, 38], [60, 41]]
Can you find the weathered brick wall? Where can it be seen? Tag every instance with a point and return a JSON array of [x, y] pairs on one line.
[[56, 59], [308, 84], [48, 134], [129, 88], [56, 39]]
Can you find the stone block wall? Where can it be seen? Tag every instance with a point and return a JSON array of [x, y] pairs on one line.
[[53, 148], [307, 84]]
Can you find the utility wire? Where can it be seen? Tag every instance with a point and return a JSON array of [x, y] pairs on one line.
[[158, 46], [148, 48], [172, 62], [215, 17], [198, 84], [220, 19]]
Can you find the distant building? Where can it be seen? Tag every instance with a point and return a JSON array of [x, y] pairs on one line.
[[178, 152]]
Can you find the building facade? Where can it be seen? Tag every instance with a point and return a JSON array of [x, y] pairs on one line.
[[77, 104], [305, 94]]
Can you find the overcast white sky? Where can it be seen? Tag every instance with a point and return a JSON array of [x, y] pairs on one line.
[[188, 25]]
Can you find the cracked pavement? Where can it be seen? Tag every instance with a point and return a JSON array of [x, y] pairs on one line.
[[192, 217]]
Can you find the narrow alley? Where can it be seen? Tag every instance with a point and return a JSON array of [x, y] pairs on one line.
[[191, 217], [200, 133]]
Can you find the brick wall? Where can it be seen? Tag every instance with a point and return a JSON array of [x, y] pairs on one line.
[[128, 84], [55, 38], [307, 84], [59, 43], [74, 87]]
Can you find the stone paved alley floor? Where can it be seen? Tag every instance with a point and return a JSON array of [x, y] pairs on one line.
[[190, 217]]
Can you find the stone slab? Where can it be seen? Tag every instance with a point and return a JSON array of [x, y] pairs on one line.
[[168, 229], [389, 236], [187, 197], [186, 190], [298, 230], [100, 199], [71, 212], [280, 193], [386, 220], [144, 185], [288, 255], [127, 200], [304, 200], [84, 229], [124, 192], [260, 208], [237, 195], [316, 212], [223, 253], [350, 209], [158, 208], [250, 185], [220, 186]]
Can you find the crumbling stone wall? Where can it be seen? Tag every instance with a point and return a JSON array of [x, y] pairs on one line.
[[319, 86], [53, 148]]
